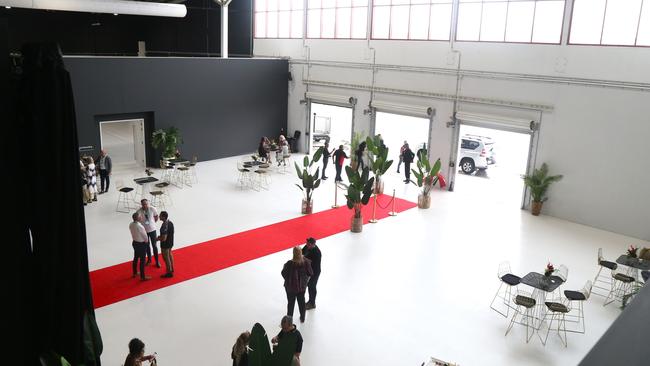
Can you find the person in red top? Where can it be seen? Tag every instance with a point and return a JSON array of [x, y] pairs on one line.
[[339, 159]]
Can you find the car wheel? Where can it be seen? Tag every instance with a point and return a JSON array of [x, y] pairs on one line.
[[467, 166]]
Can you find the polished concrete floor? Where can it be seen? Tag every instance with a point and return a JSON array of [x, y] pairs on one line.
[[407, 288]]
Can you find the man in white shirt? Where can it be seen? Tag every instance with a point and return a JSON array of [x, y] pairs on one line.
[[150, 218], [140, 245]]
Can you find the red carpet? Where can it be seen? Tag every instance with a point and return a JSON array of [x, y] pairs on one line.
[[113, 284]]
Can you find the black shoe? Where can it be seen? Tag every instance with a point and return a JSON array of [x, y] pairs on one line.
[[95, 199], [148, 262], [167, 275], [310, 306], [158, 265], [302, 318], [398, 172]]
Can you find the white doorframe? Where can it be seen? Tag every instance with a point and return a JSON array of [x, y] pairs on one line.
[[310, 121], [530, 160], [138, 140]]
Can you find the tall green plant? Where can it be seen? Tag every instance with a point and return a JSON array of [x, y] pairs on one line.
[[309, 180], [359, 190], [539, 182], [426, 176], [167, 139], [378, 156]]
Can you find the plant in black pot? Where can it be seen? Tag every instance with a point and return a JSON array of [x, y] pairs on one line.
[[167, 139], [359, 192], [309, 180], [538, 183], [379, 163]]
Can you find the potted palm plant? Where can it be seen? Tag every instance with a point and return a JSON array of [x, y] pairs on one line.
[[359, 192], [167, 139], [309, 180], [426, 176], [538, 183], [379, 163]]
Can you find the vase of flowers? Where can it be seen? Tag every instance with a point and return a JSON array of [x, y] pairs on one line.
[[148, 172], [549, 270], [631, 251]]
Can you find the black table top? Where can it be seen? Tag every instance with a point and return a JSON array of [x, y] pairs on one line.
[[633, 262], [145, 180], [178, 161], [252, 163], [542, 282]]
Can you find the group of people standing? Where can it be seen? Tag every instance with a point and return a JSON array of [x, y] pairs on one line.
[[144, 238], [300, 274], [89, 176]]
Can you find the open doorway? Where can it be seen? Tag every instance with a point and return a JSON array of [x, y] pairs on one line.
[[490, 165], [124, 140], [395, 129], [332, 124]]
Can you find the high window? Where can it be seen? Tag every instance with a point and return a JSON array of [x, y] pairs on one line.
[[522, 21], [343, 19], [613, 22], [411, 19], [279, 18]]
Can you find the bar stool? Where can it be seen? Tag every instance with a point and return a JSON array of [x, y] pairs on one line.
[[525, 305], [605, 279], [192, 166], [622, 285], [508, 279], [167, 171], [183, 176], [558, 309], [124, 197], [244, 178], [579, 296], [165, 196]]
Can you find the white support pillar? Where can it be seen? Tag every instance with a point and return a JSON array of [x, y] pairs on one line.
[[224, 26]]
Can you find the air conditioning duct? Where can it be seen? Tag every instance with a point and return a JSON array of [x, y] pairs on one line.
[[331, 99], [525, 125], [421, 111], [102, 6]]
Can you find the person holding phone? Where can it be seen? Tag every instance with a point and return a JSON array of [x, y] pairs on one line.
[[136, 354], [150, 218]]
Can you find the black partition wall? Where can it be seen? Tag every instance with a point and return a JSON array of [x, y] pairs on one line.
[[221, 106]]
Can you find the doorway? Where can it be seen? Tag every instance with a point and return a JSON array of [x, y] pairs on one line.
[[490, 163], [332, 124], [395, 129], [124, 140]]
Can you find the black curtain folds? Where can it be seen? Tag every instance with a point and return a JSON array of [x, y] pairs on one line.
[[52, 294]]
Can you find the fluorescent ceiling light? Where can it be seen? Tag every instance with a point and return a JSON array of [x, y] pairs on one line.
[[103, 6]]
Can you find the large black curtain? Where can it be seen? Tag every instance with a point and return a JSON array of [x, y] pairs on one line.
[[50, 296]]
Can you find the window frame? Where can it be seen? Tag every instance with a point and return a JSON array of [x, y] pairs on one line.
[[602, 29], [532, 29], [266, 12], [336, 7], [409, 5]]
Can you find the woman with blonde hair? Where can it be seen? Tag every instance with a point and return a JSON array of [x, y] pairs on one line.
[[240, 350], [296, 273]]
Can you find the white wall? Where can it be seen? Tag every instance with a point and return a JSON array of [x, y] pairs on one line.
[[598, 137]]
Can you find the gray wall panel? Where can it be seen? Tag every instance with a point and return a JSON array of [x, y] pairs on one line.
[[222, 107]]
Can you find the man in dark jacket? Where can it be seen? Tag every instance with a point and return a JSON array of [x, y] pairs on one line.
[[105, 167], [408, 157], [339, 159], [312, 252]]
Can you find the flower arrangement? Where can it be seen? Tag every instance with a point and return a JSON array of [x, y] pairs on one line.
[[631, 251], [549, 269], [148, 172]]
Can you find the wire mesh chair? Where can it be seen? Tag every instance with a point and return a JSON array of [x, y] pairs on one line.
[[603, 278], [525, 308], [509, 280]]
